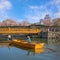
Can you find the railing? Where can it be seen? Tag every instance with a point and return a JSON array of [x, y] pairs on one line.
[[18, 30]]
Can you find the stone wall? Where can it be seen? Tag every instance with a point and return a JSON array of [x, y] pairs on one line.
[[53, 34]]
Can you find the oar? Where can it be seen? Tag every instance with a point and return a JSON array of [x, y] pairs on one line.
[[49, 49]]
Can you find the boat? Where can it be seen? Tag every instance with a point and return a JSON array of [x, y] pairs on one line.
[[25, 44]]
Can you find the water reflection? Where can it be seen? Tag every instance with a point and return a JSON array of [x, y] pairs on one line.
[[30, 51], [54, 44], [54, 41], [4, 44], [51, 51]]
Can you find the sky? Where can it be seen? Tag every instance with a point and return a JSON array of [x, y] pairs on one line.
[[29, 10]]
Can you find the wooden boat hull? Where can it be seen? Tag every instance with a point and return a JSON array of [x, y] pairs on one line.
[[27, 45]]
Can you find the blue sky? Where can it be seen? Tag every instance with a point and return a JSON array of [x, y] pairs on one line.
[[29, 10]]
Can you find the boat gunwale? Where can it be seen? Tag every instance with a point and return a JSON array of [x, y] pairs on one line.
[[28, 45]]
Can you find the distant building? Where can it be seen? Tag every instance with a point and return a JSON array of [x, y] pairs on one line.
[[41, 22], [46, 21]]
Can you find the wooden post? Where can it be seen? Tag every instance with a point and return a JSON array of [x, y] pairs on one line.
[[9, 29]]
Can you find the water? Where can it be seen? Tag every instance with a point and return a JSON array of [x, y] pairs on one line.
[[51, 52]]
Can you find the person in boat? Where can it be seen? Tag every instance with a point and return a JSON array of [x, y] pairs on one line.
[[9, 37], [28, 39]]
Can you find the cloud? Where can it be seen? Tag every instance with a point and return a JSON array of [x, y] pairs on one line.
[[56, 1], [34, 7], [57, 15], [36, 18], [56, 4], [22, 0], [33, 19], [37, 7], [5, 6], [37, 12]]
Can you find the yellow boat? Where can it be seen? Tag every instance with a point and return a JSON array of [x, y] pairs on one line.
[[25, 44]]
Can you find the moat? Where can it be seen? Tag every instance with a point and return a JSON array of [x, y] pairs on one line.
[[51, 51]]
